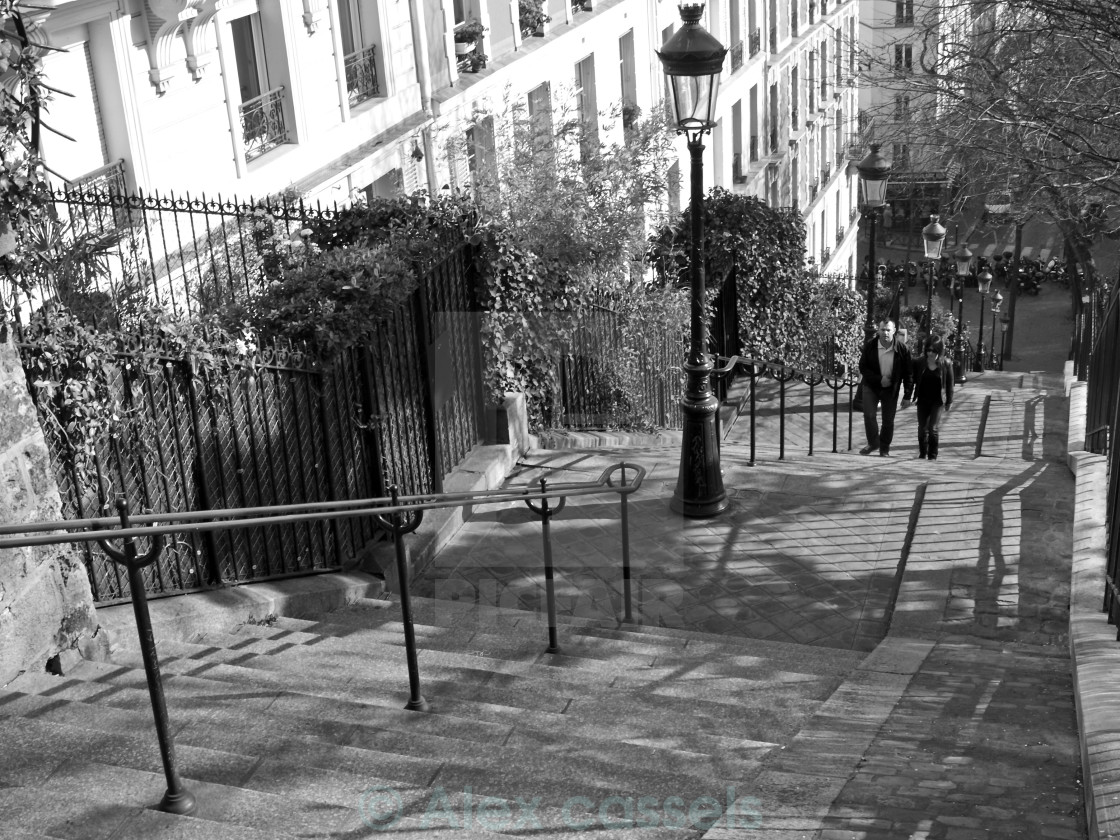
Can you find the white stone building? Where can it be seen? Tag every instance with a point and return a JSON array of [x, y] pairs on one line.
[[336, 98]]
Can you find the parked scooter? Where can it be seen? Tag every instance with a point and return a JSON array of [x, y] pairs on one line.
[[1028, 282]]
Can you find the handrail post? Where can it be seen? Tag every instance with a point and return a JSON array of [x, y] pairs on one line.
[[754, 406], [782, 417], [546, 513], [177, 799], [628, 615], [416, 702]]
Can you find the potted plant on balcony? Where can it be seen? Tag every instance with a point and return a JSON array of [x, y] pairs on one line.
[[467, 34], [531, 17]]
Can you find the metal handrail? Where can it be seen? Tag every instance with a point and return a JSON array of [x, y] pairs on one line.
[[283, 514], [395, 513]]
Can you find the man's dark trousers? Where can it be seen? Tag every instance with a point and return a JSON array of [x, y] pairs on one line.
[[879, 436]]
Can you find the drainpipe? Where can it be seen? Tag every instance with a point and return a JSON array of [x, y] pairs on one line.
[[424, 77]]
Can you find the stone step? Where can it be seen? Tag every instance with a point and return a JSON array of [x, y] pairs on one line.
[[704, 707], [241, 738]]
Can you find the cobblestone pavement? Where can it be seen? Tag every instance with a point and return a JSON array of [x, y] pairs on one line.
[[983, 744], [967, 559]]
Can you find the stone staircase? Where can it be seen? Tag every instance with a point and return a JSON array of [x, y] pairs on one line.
[[295, 728], [288, 727]]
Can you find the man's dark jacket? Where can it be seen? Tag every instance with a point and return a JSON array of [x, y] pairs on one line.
[[903, 373]]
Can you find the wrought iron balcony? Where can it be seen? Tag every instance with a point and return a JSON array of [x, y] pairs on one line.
[[105, 180], [755, 42], [814, 188], [100, 199], [262, 123], [826, 255], [840, 232], [736, 56], [361, 75], [826, 173]]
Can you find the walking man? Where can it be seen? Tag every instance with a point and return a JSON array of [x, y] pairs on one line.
[[886, 367]]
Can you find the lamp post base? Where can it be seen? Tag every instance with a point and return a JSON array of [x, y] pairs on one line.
[[700, 491]]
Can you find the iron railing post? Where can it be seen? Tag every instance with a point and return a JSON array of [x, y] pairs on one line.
[[177, 799]]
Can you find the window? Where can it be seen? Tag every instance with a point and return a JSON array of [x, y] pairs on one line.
[[794, 97], [902, 107], [824, 69], [359, 61], [263, 125], [540, 118], [812, 80], [904, 13], [901, 155], [248, 51], [903, 58], [482, 161], [586, 108], [627, 74]]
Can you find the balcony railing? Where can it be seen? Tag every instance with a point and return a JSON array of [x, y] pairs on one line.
[[755, 43], [840, 231], [826, 173], [814, 188], [361, 75], [826, 255], [736, 56], [262, 123], [107, 180]]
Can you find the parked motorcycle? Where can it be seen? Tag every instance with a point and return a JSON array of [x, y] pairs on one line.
[[1029, 282]]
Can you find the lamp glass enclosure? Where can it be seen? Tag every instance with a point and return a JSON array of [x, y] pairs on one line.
[[963, 258], [874, 173], [933, 236], [984, 281]]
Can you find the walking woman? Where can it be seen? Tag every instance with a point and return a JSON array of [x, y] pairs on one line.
[[933, 394]]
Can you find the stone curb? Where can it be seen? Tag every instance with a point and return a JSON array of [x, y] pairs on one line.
[[1094, 651]]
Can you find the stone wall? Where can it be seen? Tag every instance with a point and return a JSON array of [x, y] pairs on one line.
[[46, 607]]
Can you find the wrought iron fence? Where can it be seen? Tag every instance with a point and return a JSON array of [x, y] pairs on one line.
[[262, 123], [361, 75], [607, 383], [277, 430], [189, 255], [403, 410]]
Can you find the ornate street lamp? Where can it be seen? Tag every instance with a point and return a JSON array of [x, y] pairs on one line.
[[997, 299], [963, 258], [984, 283], [693, 61], [933, 235], [874, 173]]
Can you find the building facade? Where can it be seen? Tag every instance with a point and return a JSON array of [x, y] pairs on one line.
[[334, 99]]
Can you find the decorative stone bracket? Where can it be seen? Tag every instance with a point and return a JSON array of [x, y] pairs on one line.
[[166, 19]]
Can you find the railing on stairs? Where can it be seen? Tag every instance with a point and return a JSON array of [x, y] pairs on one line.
[[758, 370], [400, 515]]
